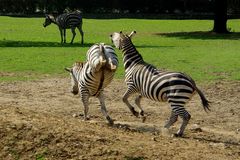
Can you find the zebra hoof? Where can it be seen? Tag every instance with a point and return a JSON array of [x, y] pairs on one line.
[[177, 135], [76, 115], [110, 121], [86, 118], [143, 119], [136, 114]]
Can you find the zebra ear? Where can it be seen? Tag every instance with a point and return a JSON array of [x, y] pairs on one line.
[[68, 69], [132, 34], [83, 63]]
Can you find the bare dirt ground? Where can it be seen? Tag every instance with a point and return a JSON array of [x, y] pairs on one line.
[[36, 122]]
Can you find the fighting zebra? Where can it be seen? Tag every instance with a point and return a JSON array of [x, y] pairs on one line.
[[91, 77], [173, 87], [65, 21]]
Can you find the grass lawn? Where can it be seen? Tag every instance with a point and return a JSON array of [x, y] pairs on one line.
[[29, 51]]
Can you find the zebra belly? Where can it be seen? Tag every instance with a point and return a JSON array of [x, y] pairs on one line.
[[160, 89], [108, 77], [98, 82], [176, 92], [90, 81]]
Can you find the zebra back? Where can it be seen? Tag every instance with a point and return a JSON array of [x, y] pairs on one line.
[[69, 20], [101, 55]]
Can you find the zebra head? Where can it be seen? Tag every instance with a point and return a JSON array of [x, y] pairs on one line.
[[48, 20], [74, 73], [118, 38]]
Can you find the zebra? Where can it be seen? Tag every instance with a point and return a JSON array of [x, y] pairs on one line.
[[91, 77], [109, 57], [142, 78], [65, 21]]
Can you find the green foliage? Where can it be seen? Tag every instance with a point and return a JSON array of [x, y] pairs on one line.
[[40, 157], [105, 6], [29, 51], [41, 154]]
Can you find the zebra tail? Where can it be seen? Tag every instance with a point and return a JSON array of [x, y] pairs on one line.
[[205, 102], [102, 54]]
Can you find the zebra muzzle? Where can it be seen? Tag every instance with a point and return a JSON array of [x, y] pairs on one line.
[[74, 92]]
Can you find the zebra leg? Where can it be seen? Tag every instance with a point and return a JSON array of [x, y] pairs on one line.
[[81, 32], [180, 110], [102, 61], [64, 35], [137, 102], [186, 117], [111, 66], [103, 107], [61, 34], [125, 100], [85, 97], [74, 34], [99, 63], [173, 118]]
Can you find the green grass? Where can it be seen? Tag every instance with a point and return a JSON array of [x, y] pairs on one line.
[[29, 51]]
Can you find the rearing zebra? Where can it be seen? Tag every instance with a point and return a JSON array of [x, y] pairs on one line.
[[91, 77], [65, 21], [173, 87]]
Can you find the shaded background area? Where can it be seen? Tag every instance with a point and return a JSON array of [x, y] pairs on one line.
[[202, 35], [220, 11], [122, 7]]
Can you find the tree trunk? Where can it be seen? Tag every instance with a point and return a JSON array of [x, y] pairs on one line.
[[220, 19]]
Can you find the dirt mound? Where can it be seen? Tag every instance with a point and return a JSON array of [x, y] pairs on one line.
[[36, 122]]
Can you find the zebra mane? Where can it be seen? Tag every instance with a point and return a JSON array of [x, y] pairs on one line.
[[79, 64], [51, 17], [128, 42]]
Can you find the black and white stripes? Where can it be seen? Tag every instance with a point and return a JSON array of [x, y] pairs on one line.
[[91, 77], [65, 21], [173, 87], [102, 53]]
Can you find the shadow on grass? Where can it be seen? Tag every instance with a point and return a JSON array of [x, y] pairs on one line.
[[153, 46], [203, 35], [11, 43]]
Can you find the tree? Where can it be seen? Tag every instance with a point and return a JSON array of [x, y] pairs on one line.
[[220, 19]]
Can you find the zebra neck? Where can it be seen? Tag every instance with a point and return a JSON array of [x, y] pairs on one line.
[[55, 21], [77, 73], [131, 56]]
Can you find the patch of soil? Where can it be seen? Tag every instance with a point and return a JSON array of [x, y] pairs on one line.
[[37, 122]]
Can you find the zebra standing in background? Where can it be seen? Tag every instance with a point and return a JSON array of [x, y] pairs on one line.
[[65, 21], [91, 77], [173, 87]]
